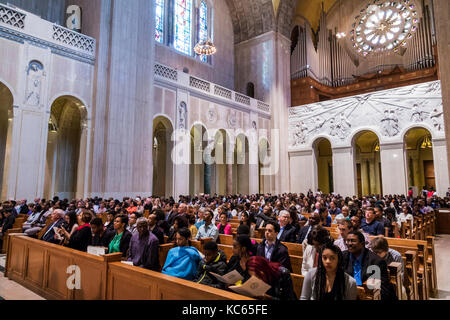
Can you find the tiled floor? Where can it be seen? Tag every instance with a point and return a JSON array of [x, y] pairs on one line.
[[10, 290]]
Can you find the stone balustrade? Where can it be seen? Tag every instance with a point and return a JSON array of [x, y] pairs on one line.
[[22, 26], [171, 75]]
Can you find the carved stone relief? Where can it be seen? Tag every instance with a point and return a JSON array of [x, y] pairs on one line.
[[35, 74], [182, 115], [388, 112]]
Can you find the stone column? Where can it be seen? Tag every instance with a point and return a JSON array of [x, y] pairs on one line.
[[344, 175], [374, 187], [302, 163], [442, 17], [416, 170], [393, 168]]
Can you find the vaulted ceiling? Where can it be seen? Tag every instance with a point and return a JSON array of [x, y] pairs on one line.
[[252, 18]]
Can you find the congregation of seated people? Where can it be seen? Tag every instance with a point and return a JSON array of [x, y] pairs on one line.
[[136, 227]]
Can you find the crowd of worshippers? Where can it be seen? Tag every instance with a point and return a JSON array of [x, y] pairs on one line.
[[332, 268]]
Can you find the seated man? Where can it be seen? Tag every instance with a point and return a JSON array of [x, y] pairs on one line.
[[370, 225], [272, 249], [132, 222], [154, 228], [362, 264], [57, 221], [345, 226], [143, 249], [207, 230], [34, 228], [33, 217], [380, 246], [214, 261], [314, 220], [101, 237], [287, 231]]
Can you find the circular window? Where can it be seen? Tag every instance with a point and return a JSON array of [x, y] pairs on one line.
[[384, 25]]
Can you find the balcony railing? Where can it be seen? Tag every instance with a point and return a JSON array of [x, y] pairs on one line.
[[19, 25], [202, 86]]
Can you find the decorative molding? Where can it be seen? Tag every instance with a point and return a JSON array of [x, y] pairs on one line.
[[388, 113], [12, 17], [73, 39], [166, 72], [242, 99], [199, 84], [220, 91]]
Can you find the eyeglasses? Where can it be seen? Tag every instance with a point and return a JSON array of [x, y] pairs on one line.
[[351, 241]]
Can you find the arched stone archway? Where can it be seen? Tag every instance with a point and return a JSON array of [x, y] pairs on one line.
[[162, 158], [324, 165], [366, 146], [6, 123], [66, 149]]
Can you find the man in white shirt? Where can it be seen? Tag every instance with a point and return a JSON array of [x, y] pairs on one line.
[[208, 229]]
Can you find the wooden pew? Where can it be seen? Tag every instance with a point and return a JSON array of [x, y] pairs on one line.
[[163, 250], [6, 238], [127, 282], [228, 250], [226, 239], [431, 266], [48, 222], [395, 278], [297, 282], [42, 267], [296, 263], [410, 276]]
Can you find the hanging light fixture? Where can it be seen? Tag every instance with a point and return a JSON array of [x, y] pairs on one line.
[[377, 147], [426, 143], [205, 47], [51, 126]]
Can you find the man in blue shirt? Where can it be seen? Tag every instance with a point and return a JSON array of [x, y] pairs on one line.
[[361, 263], [370, 225]]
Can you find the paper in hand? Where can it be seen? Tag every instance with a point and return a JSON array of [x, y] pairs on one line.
[[253, 287], [58, 236], [98, 251], [229, 278]]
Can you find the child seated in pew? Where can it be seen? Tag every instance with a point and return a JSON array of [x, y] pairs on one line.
[[215, 261], [182, 261], [380, 246]]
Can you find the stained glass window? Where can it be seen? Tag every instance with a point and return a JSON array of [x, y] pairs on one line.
[[159, 20], [183, 20], [203, 26]]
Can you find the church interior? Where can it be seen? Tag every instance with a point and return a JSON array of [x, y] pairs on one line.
[[166, 110]]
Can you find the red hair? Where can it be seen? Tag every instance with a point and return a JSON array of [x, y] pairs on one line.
[[265, 270]]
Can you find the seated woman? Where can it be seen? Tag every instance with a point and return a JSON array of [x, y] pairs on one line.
[[247, 220], [191, 225], [178, 223], [325, 217], [243, 249], [224, 227], [182, 261], [69, 226], [275, 275], [81, 238], [122, 237], [329, 281], [316, 239]]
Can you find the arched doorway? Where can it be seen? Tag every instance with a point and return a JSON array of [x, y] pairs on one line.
[[241, 160], [199, 171], [66, 149], [162, 158], [368, 163], [6, 123], [324, 165], [419, 159]]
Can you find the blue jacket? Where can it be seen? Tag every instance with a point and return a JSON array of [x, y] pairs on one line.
[[182, 262]]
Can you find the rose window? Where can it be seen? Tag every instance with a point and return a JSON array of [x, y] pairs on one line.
[[384, 25]]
